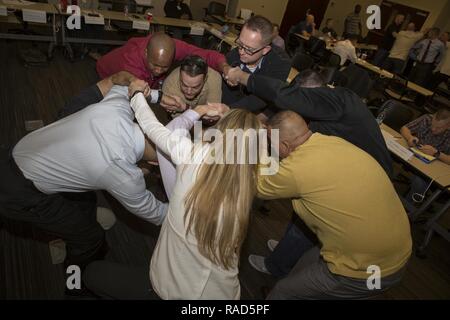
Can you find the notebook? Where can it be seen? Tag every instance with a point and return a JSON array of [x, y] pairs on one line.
[[422, 156]]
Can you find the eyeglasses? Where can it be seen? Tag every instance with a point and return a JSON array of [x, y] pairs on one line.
[[247, 50]]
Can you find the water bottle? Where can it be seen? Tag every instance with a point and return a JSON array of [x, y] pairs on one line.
[[125, 9]]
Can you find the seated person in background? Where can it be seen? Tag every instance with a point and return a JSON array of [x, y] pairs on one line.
[[346, 49], [149, 58], [254, 54], [177, 9], [305, 27], [388, 39], [277, 40], [328, 29], [336, 190], [431, 135], [194, 82], [398, 55]]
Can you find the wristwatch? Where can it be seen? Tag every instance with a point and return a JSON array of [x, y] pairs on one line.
[[160, 94], [437, 154]]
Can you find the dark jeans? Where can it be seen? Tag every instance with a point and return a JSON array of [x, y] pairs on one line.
[[85, 98], [393, 65], [111, 280], [380, 57], [421, 74], [296, 240], [70, 216], [311, 279]]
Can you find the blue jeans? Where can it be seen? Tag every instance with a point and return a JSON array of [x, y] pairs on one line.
[[289, 250]]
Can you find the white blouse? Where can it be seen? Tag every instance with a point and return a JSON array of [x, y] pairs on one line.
[[177, 269]]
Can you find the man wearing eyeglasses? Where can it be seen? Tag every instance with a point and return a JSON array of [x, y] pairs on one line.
[[254, 54]]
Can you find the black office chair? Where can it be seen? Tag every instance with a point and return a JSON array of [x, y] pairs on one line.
[[395, 114], [216, 9], [327, 74], [316, 47], [330, 59], [302, 62], [339, 79], [397, 87], [359, 80]]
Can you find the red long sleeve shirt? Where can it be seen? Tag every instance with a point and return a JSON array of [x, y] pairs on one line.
[[131, 57]]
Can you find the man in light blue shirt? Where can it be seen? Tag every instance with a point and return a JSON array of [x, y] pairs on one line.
[[428, 53], [48, 176]]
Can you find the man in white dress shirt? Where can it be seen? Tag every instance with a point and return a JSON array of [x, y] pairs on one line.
[[48, 177], [404, 41], [346, 49]]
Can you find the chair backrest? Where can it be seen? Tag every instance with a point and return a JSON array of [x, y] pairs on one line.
[[316, 46], [216, 8], [395, 114], [339, 79], [359, 80], [334, 60], [327, 74], [302, 62]]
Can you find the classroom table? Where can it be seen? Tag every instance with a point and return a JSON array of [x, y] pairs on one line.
[[20, 5], [229, 37], [439, 173], [386, 74], [330, 44], [108, 16], [228, 20]]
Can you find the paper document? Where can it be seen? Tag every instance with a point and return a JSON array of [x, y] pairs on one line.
[[3, 11], [100, 20], [398, 149], [145, 3], [141, 25], [197, 30], [34, 16], [18, 2]]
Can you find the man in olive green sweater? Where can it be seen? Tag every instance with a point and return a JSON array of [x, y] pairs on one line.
[[347, 200]]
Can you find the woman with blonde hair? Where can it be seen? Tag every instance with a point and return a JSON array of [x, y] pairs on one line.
[[198, 249]]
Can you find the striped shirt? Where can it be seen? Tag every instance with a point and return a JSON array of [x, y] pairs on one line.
[[352, 23], [421, 128]]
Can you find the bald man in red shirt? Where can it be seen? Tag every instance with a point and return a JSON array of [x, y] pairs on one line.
[[149, 58]]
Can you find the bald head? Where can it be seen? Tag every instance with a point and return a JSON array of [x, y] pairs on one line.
[[160, 53], [293, 131], [411, 26]]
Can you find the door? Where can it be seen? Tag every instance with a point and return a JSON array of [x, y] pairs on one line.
[[296, 12]]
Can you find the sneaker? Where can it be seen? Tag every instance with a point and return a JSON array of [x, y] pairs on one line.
[[257, 262], [271, 244], [106, 218]]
